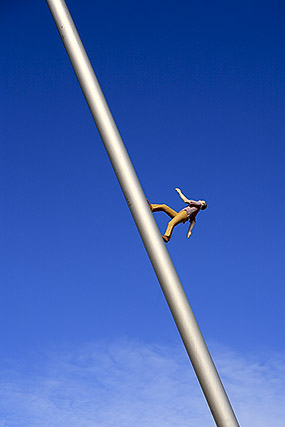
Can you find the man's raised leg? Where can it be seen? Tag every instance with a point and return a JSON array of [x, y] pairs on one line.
[[163, 208]]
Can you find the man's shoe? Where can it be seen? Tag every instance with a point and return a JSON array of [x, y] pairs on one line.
[[150, 207], [166, 239]]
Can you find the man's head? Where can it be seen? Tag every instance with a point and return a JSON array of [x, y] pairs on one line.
[[203, 204]]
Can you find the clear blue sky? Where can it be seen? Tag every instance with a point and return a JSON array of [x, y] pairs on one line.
[[197, 91]]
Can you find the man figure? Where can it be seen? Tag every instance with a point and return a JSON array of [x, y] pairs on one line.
[[187, 213]]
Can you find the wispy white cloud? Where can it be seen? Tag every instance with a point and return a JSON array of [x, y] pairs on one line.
[[132, 384]]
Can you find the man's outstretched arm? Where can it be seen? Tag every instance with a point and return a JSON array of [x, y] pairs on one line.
[[184, 198]]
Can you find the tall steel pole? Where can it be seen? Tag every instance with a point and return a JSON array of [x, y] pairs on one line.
[[180, 308]]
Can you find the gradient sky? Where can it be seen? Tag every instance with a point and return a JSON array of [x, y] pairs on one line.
[[197, 91]]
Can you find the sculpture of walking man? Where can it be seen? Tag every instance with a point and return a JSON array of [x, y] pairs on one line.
[[187, 213]]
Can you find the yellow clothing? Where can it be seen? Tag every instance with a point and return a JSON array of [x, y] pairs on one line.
[[177, 217]]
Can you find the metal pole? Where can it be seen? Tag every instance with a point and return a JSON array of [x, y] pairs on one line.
[[180, 308]]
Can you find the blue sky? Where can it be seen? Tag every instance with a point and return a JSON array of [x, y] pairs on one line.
[[197, 91]]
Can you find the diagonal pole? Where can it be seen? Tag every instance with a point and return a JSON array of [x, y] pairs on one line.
[[171, 286]]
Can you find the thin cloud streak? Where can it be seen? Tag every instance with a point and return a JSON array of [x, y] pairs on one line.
[[129, 383]]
